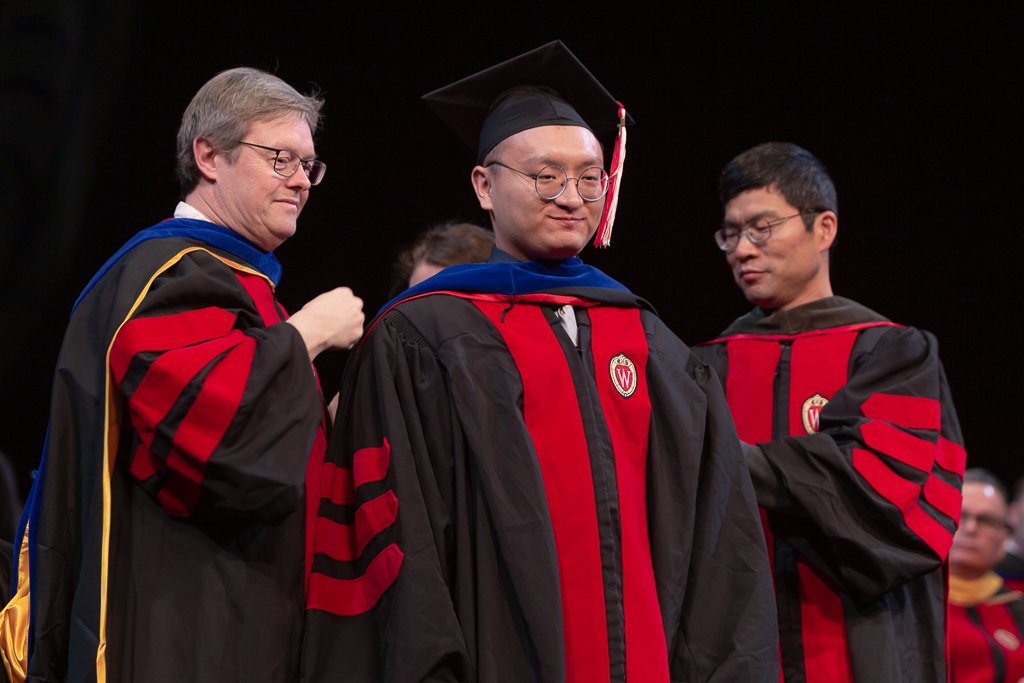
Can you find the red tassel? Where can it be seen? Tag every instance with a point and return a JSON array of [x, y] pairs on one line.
[[603, 237]]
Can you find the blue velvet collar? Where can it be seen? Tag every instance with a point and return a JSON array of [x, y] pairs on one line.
[[512, 278], [203, 231]]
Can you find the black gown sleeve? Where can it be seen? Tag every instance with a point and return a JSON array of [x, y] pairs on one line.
[[379, 599], [224, 409], [874, 496], [714, 584]]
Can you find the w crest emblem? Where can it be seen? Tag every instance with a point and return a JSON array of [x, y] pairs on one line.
[[623, 374], [811, 412]]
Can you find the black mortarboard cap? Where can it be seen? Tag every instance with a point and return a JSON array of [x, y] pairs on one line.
[[543, 87]]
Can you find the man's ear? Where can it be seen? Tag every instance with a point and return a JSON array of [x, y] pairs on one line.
[[826, 226], [205, 154], [481, 179]]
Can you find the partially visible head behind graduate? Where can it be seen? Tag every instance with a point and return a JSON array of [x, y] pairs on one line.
[[445, 244], [542, 174], [242, 139]]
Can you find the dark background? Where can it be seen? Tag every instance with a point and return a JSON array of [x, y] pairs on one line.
[[917, 116]]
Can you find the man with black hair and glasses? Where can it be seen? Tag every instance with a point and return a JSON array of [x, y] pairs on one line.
[[163, 538], [531, 478], [849, 432]]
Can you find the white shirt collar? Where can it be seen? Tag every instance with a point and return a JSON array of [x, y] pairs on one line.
[[183, 210]]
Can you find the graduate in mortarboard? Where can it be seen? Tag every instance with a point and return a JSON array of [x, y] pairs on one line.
[[530, 477]]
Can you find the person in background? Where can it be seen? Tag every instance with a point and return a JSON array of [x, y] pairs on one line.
[[986, 618], [436, 248]]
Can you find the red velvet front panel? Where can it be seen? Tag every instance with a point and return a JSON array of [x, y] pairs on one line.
[[552, 415]]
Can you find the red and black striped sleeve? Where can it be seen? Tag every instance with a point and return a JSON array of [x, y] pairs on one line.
[[222, 399], [378, 597], [876, 492]]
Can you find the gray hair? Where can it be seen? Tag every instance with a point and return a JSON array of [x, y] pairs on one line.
[[227, 106]]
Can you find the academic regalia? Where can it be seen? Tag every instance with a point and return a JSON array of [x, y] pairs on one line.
[[532, 479], [163, 538], [498, 504], [986, 631], [858, 468]]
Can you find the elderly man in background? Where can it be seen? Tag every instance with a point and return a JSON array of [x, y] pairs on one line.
[[986, 619], [163, 538]]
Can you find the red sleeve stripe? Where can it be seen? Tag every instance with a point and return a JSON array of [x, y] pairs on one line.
[[346, 542], [262, 297], [930, 531], [912, 412], [371, 464], [951, 457], [944, 497], [339, 484], [167, 377], [164, 332], [887, 439], [336, 484], [891, 486], [144, 464], [354, 596], [203, 428], [903, 494]]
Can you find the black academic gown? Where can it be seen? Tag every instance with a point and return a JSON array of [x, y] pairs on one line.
[[498, 505], [858, 469], [163, 539]]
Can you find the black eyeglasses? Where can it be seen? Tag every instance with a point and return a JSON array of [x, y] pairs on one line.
[[757, 231], [983, 521], [286, 163], [551, 181]]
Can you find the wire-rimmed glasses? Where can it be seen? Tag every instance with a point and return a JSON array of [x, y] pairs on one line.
[[551, 181], [287, 162], [757, 231]]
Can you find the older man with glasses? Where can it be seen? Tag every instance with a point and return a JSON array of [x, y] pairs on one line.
[[163, 539], [851, 437], [986, 619]]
